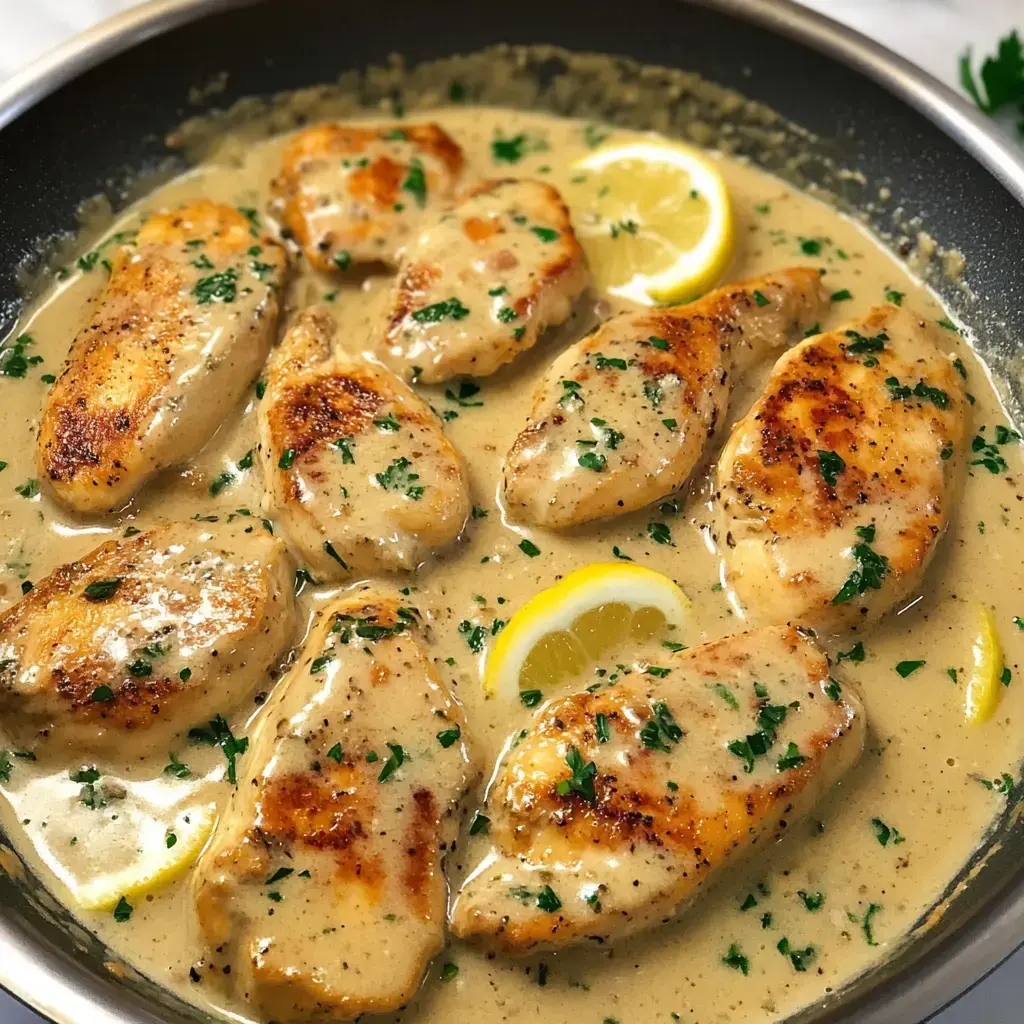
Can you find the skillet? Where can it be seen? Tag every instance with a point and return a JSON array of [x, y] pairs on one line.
[[93, 116]]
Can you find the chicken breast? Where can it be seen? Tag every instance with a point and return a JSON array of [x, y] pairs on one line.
[[357, 468], [622, 417], [480, 285], [323, 885], [180, 332], [354, 194], [616, 808], [143, 638], [835, 488]]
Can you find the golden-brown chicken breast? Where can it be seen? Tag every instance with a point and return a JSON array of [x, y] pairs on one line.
[[622, 417], [479, 285], [357, 468], [616, 808], [353, 193], [835, 488], [179, 333], [143, 638], [341, 826]]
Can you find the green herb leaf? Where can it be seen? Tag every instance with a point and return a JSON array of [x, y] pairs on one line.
[[906, 668], [736, 960], [449, 736], [480, 823], [831, 465], [449, 309], [582, 779], [393, 763], [103, 590]]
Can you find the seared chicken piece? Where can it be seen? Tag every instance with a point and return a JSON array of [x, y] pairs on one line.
[[622, 417], [343, 820], [617, 807], [835, 488], [357, 468], [481, 284], [182, 328], [352, 193], [144, 638]]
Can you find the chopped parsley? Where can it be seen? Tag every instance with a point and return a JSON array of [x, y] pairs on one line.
[[529, 548], [480, 823], [893, 296], [177, 769], [760, 298], [812, 900], [799, 958], [724, 692], [593, 461], [217, 733], [659, 533], [886, 833], [653, 393], [830, 464], [220, 287], [394, 762], [467, 391], [601, 730], [449, 736], [13, 361], [842, 295], [509, 151], [791, 759], [871, 569], [545, 234], [855, 653], [602, 362], [123, 910], [449, 309], [901, 392], [548, 900], [397, 477], [866, 923], [736, 960], [388, 424], [531, 698], [906, 668], [473, 634], [582, 779], [103, 590], [416, 182], [335, 753]]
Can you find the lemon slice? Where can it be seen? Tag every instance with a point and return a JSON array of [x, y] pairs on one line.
[[563, 630], [158, 864], [984, 687], [655, 220]]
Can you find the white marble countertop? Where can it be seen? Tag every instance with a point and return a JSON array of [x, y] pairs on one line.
[[931, 33]]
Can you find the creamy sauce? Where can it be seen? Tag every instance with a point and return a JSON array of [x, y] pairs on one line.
[[918, 780]]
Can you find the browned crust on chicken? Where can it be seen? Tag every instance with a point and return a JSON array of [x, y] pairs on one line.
[[375, 188]]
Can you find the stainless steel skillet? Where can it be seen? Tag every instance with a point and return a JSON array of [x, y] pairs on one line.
[[92, 115]]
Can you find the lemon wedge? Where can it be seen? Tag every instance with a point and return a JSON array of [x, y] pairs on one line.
[[655, 220], [563, 630], [165, 853], [984, 687]]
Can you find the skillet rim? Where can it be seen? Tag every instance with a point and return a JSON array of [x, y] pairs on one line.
[[981, 944]]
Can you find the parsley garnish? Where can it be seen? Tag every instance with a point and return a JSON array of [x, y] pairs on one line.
[[659, 533], [509, 151], [531, 698], [480, 823], [582, 779], [548, 900], [871, 569], [218, 734], [736, 960], [219, 287], [394, 762], [799, 958], [791, 759], [529, 548], [467, 390], [602, 362], [884, 833], [103, 590], [545, 234], [398, 478], [905, 668], [416, 182], [474, 635], [449, 736], [123, 910], [1002, 76], [855, 653], [449, 309], [831, 465]]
